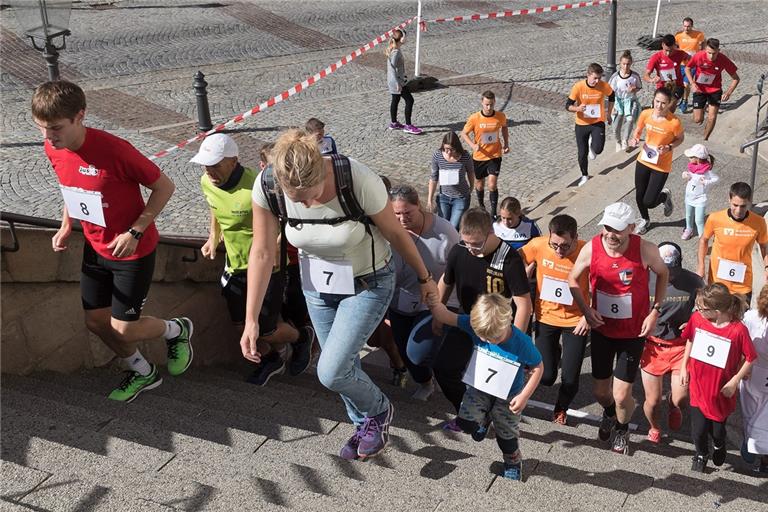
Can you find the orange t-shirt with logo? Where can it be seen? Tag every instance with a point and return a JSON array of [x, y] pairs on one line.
[[487, 131], [658, 132], [733, 242], [690, 43], [552, 279], [583, 94]]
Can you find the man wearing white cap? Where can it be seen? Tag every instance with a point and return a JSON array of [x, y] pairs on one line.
[[227, 187], [621, 315]]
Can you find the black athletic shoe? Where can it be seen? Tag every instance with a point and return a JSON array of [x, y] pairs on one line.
[[271, 365], [699, 463], [302, 353], [606, 427], [718, 455]]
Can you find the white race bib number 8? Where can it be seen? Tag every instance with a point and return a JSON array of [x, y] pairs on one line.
[[408, 302], [449, 176], [490, 138], [84, 205], [323, 276], [650, 154], [705, 78], [614, 306], [732, 271], [556, 290], [491, 373], [710, 348], [592, 111]]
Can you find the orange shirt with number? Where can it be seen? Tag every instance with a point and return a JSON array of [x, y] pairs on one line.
[[734, 241], [487, 131], [553, 267], [690, 43], [583, 94], [658, 132]]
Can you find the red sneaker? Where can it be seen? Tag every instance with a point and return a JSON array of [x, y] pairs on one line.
[[654, 436]]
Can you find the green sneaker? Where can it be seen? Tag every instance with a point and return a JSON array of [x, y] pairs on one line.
[[180, 347], [134, 383]]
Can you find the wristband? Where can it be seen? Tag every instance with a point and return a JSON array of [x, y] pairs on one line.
[[135, 234], [426, 279]]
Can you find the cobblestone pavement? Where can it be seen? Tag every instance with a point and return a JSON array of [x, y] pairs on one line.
[[136, 60]]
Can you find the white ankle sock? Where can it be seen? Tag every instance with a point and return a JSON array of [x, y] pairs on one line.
[[172, 329], [137, 363]]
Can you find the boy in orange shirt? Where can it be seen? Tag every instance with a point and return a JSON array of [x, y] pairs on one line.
[[587, 101], [735, 231]]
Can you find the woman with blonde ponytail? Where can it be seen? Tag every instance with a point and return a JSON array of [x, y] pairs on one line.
[[396, 83]]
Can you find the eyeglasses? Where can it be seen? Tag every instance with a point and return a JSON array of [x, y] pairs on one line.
[[473, 248], [560, 247]]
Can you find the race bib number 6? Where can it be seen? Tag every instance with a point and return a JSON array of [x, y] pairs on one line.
[[84, 205], [556, 290], [592, 111], [491, 373], [732, 271], [323, 276], [650, 154]]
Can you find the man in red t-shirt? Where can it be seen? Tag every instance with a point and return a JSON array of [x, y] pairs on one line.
[[100, 177], [708, 86], [621, 315], [666, 64]]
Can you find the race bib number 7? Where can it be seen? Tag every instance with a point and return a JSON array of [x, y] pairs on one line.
[[491, 373], [84, 205], [323, 276]]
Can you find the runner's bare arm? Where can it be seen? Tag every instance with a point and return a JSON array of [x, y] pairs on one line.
[[691, 81], [523, 311], [214, 236], [593, 318], [652, 259], [734, 82], [431, 195], [764, 254], [505, 136], [468, 141], [703, 248], [518, 403], [59, 240], [730, 387], [443, 315]]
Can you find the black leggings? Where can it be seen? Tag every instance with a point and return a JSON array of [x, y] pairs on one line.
[[450, 364], [583, 132], [408, 97], [701, 428], [572, 352], [648, 185]]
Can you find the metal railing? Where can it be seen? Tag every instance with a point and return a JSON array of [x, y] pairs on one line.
[[759, 127], [15, 218]]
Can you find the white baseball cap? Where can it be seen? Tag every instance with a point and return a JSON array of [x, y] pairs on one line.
[[215, 148], [618, 216], [670, 253], [698, 151]]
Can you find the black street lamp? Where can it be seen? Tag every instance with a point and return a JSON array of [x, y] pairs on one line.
[[44, 22]]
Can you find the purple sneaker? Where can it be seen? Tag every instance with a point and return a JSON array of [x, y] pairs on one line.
[[395, 126], [451, 426], [349, 450], [413, 130], [374, 434]]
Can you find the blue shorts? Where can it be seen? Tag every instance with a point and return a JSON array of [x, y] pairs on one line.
[[685, 77]]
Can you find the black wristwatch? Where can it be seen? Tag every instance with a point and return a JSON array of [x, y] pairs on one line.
[[426, 279], [136, 234]]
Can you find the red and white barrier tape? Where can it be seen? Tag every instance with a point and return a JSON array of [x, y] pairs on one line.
[[518, 12], [288, 93]]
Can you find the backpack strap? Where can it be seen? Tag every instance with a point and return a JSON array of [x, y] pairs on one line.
[[276, 202]]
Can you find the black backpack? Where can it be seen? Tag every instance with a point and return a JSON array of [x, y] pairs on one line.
[[342, 172]]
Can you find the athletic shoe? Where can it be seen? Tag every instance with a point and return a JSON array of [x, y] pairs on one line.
[[270, 366], [560, 417], [180, 347], [619, 147], [374, 434], [621, 442], [642, 226], [762, 468], [592, 154], [718, 455], [413, 130], [669, 207], [425, 391], [624, 145], [687, 234], [654, 435], [605, 428], [399, 377], [748, 457], [699, 463], [683, 106], [301, 355], [349, 450], [451, 426], [513, 471], [134, 383], [674, 417], [582, 181], [481, 431], [395, 126]]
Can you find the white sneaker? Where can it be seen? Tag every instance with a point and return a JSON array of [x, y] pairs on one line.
[[619, 147], [425, 391], [592, 154], [582, 181], [641, 227], [624, 145]]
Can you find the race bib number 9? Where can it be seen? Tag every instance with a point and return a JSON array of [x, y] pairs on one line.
[[732, 271], [614, 306], [556, 290], [593, 111], [449, 176], [710, 348], [705, 78], [649, 154], [491, 373], [323, 276], [84, 205]]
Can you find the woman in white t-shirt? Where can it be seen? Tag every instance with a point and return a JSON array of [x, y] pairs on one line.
[[753, 392], [347, 274]]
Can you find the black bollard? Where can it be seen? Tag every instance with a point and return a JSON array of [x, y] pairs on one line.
[[201, 96], [611, 67]]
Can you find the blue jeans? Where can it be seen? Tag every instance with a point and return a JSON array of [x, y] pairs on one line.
[[343, 324], [419, 353], [451, 208], [695, 214]]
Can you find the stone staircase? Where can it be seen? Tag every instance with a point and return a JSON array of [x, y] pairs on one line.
[[209, 441]]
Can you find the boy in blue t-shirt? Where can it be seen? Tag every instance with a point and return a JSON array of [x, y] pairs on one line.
[[501, 351]]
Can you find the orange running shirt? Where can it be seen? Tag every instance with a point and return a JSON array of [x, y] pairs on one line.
[[658, 132], [583, 94], [555, 270], [690, 43], [732, 246], [487, 131]]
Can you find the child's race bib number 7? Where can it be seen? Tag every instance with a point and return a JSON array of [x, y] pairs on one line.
[[491, 373]]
